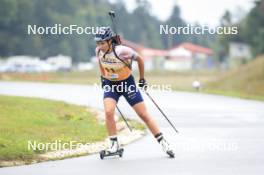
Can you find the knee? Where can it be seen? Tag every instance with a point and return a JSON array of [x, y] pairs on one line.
[[145, 117], [109, 114]]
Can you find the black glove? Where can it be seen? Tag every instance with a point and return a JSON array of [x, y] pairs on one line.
[[103, 83], [143, 84]]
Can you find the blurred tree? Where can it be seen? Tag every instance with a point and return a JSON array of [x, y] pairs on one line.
[[254, 28], [226, 19], [138, 26], [175, 20], [250, 30]]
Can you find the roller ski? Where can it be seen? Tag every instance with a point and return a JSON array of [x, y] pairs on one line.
[[105, 153], [113, 150]]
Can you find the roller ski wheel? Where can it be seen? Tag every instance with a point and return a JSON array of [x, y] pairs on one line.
[[104, 153]]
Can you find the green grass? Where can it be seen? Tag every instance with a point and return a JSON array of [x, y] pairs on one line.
[[31, 119], [234, 94], [88, 77], [134, 124]]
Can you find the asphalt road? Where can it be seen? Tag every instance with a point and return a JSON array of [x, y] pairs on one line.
[[218, 135]]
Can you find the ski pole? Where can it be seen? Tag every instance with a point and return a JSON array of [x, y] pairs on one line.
[[161, 111], [124, 118]]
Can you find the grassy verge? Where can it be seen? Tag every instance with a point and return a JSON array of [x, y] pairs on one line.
[[234, 94], [88, 77], [246, 81], [30, 119]]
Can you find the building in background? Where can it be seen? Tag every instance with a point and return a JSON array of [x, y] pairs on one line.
[[60, 62], [29, 64], [187, 56], [25, 64], [183, 57], [153, 58]]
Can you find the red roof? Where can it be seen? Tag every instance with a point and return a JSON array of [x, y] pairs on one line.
[[148, 53], [194, 48]]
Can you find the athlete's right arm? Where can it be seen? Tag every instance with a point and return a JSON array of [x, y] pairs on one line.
[[101, 69], [102, 79], [100, 65], [142, 81], [140, 66]]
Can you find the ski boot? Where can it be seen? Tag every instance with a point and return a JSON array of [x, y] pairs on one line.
[[166, 148]]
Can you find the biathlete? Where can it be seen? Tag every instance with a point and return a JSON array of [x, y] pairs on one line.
[[115, 65]]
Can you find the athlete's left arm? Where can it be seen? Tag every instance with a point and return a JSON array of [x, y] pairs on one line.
[[141, 67]]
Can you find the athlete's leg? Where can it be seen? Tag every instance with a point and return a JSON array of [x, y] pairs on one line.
[[135, 100], [142, 112], [109, 107]]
